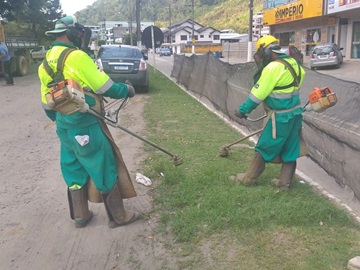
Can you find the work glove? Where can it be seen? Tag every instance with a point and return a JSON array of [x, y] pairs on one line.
[[131, 89], [240, 115]]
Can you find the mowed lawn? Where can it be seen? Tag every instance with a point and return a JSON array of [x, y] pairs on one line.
[[213, 223]]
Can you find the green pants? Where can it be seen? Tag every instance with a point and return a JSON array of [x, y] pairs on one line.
[[287, 142], [94, 159]]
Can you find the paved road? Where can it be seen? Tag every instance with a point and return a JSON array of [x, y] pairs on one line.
[[306, 169], [349, 70]]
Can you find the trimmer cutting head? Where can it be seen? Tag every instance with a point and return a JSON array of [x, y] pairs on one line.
[[224, 152], [177, 160]]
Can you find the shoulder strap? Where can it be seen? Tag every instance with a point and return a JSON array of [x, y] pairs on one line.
[[297, 79], [57, 76]]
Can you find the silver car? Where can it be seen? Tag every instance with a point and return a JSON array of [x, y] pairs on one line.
[[326, 55]]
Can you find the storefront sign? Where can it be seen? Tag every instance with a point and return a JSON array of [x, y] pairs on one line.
[[341, 5], [292, 12], [331, 21]]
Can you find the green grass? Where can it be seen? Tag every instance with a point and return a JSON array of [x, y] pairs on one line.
[[223, 224]]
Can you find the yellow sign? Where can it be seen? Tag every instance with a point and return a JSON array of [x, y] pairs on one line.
[[295, 11], [193, 41], [331, 21]]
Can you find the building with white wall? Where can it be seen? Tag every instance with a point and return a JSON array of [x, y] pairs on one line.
[[112, 31], [258, 28], [189, 31]]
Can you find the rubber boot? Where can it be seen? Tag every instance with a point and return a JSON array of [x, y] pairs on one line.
[[286, 175], [79, 207], [255, 169], [115, 209]]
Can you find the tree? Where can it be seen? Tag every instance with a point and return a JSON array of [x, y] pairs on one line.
[[128, 39], [8, 8]]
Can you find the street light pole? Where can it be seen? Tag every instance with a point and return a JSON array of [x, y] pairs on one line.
[[193, 23], [130, 24], [170, 41], [249, 56], [138, 23]]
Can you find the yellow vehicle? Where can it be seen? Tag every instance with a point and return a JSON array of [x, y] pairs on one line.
[[19, 50]]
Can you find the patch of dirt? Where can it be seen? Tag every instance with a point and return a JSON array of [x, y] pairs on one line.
[[36, 231]]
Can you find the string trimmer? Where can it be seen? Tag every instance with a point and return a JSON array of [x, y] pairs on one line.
[[224, 151], [68, 97], [320, 99]]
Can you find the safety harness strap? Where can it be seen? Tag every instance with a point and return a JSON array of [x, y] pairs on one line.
[[58, 75], [297, 79]]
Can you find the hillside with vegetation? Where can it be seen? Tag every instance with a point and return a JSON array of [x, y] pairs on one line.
[[220, 14]]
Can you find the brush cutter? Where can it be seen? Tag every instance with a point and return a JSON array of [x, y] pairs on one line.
[[68, 97], [320, 99], [224, 151], [176, 159]]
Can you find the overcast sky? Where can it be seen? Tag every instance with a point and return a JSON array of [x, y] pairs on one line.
[[71, 6]]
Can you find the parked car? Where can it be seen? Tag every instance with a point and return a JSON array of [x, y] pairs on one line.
[[165, 52], [326, 55], [39, 53], [294, 53], [124, 62]]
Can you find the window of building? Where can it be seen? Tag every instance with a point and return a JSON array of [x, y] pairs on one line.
[[183, 37], [313, 37], [216, 37], [274, 3], [201, 36], [355, 45], [286, 38]]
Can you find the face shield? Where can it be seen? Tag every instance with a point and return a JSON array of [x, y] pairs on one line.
[[258, 57], [82, 36]]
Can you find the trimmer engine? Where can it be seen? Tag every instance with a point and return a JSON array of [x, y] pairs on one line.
[[320, 99]]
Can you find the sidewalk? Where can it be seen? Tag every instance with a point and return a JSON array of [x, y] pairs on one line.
[[348, 71]]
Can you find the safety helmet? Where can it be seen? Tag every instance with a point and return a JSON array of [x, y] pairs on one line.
[[77, 33], [265, 46], [266, 41]]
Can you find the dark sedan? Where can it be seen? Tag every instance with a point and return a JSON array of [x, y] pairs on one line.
[[124, 62]]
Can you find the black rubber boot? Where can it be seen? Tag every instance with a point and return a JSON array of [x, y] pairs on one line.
[[255, 169], [79, 207], [287, 173], [115, 209]]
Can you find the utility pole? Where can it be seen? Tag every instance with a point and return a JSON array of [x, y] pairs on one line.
[[193, 25], [249, 56], [138, 23], [193, 22], [130, 23], [170, 26]]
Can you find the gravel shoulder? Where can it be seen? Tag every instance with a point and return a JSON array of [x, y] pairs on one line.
[[36, 231]]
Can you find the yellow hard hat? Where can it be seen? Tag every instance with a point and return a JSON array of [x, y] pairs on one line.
[[266, 41]]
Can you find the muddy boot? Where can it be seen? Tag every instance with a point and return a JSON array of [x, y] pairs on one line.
[[115, 210], [286, 175], [256, 168], [79, 207]]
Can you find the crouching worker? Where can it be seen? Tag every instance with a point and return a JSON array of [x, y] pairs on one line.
[[87, 149], [277, 86]]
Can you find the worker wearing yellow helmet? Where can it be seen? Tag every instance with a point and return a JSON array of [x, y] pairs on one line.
[[277, 87]]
